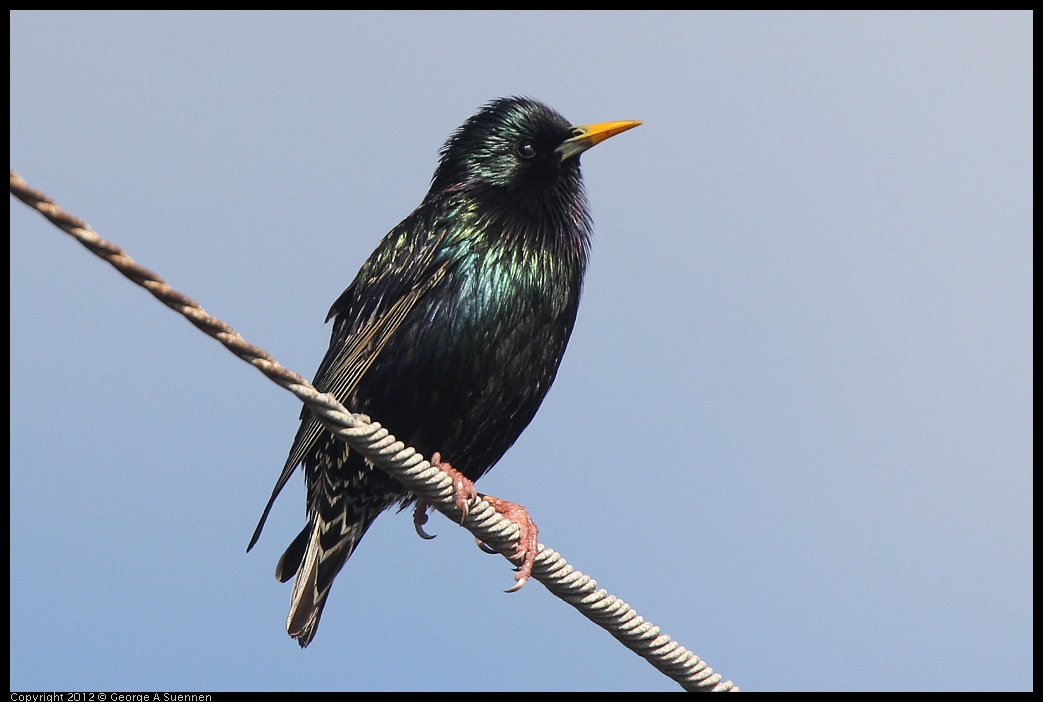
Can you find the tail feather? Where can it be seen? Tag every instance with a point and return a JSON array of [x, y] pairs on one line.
[[315, 557], [292, 558], [345, 495], [307, 601]]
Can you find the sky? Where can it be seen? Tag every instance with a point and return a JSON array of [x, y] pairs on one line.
[[793, 427]]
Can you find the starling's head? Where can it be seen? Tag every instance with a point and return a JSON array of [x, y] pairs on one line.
[[518, 145]]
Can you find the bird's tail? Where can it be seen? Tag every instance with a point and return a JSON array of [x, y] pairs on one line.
[[314, 559], [345, 495]]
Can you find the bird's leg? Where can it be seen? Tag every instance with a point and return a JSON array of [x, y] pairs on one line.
[[464, 490]]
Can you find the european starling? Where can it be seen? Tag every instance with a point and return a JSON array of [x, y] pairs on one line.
[[450, 335]]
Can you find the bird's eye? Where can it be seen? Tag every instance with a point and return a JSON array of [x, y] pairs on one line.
[[526, 150]]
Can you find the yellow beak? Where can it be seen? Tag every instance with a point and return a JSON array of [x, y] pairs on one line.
[[587, 135]]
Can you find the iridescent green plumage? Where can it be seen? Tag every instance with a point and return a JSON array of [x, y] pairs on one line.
[[452, 332]]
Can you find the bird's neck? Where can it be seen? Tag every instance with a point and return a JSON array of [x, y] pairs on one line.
[[544, 227]]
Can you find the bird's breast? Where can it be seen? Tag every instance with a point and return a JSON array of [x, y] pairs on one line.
[[468, 369]]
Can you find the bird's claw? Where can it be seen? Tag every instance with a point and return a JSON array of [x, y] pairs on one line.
[[420, 519], [484, 546], [463, 488], [528, 542], [518, 585], [524, 554]]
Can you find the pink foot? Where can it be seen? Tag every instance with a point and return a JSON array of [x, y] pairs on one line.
[[463, 488], [528, 534], [463, 491]]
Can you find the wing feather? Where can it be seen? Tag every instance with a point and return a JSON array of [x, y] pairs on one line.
[[368, 314]]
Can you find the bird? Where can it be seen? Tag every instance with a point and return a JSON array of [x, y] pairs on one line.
[[450, 335]]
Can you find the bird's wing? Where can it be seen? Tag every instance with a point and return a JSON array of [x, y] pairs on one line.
[[366, 321], [346, 367]]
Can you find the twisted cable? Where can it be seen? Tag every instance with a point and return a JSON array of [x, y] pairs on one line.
[[406, 465]]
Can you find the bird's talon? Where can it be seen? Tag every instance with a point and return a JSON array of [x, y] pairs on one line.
[[484, 546], [524, 557], [420, 519], [518, 585], [463, 488], [462, 501]]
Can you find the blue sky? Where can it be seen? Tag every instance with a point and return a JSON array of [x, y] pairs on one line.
[[793, 427]]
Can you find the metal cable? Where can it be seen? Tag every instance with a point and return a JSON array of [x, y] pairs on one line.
[[407, 466]]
